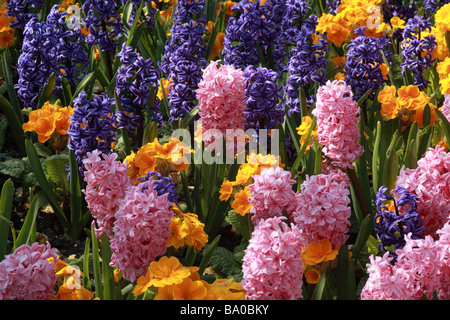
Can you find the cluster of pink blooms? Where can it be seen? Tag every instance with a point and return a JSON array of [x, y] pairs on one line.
[[141, 230], [422, 267], [272, 264], [323, 209], [107, 182], [337, 117], [446, 107], [271, 193], [220, 96], [28, 274], [430, 181]]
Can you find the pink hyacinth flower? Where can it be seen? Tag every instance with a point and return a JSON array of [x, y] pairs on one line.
[[430, 181], [141, 230], [107, 182], [271, 193], [337, 117], [27, 273], [323, 209], [220, 95], [272, 265]]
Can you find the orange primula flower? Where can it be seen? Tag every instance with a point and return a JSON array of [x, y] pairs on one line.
[[317, 252], [48, 120], [70, 290], [411, 98], [241, 204], [190, 290]]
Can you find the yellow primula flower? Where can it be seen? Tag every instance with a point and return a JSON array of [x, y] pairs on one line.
[[164, 272], [397, 23], [186, 229]]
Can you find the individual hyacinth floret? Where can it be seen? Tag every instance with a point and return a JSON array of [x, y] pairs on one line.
[[106, 184], [136, 86], [337, 120], [28, 273], [141, 230], [92, 126], [272, 265], [262, 94]]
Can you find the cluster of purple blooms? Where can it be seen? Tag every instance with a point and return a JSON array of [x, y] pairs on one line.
[[363, 64], [413, 47], [23, 11], [103, 23], [91, 127], [136, 84], [184, 56], [307, 66], [244, 33], [393, 226], [49, 47], [262, 93]]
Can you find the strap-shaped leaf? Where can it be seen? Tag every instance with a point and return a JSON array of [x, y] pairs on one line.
[[44, 184], [6, 203]]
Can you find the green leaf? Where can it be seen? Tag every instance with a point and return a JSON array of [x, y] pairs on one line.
[[67, 91], [12, 167], [445, 123], [30, 221], [390, 171], [322, 290], [55, 170], [44, 184], [365, 230], [107, 270], [342, 270], [376, 158], [6, 203], [3, 127], [223, 261], [240, 223], [96, 266], [412, 146], [47, 91], [15, 124], [372, 245], [75, 196], [12, 95], [86, 256], [208, 252]]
